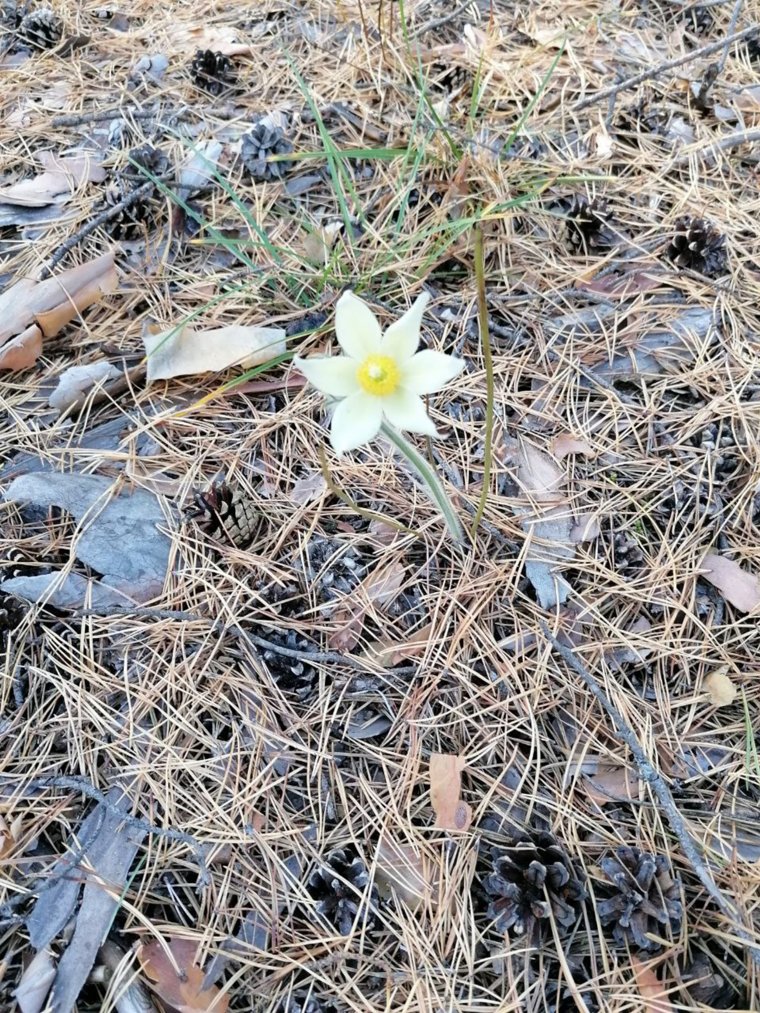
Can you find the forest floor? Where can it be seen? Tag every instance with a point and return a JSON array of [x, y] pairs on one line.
[[304, 751]]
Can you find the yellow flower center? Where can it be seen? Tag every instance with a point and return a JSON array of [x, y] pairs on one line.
[[378, 375]]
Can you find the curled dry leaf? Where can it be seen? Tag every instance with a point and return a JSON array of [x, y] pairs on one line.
[[406, 871], [57, 183], [722, 691], [31, 310], [378, 588], [739, 587], [186, 352], [451, 812], [183, 991], [566, 443]]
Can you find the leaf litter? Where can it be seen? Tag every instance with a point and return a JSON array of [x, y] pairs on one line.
[[311, 751]]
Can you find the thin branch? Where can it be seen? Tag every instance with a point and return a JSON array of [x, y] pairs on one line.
[[661, 68], [723, 144], [651, 776], [85, 787], [731, 29], [440, 22]]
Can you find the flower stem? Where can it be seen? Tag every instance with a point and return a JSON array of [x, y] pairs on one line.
[[485, 344], [429, 477]]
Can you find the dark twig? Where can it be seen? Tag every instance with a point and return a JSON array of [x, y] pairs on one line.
[[651, 776], [80, 119], [661, 68], [440, 22], [83, 786], [314, 656], [105, 216]]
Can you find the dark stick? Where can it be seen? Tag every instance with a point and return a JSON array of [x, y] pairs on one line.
[[95, 223], [731, 29], [645, 75], [651, 776]]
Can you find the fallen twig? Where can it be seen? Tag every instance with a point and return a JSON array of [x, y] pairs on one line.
[[651, 776], [723, 144], [661, 68]]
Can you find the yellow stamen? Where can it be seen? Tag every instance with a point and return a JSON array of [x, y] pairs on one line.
[[378, 375]]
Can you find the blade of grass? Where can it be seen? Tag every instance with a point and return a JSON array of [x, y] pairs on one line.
[[485, 344]]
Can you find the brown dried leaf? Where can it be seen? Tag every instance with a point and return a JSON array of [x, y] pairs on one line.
[[612, 784], [221, 38], [23, 350], [183, 991], [722, 691], [446, 792], [389, 652], [566, 443], [379, 587], [739, 587], [56, 302], [651, 990], [403, 869], [56, 184]]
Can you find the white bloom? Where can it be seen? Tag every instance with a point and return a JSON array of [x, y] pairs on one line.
[[380, 375]]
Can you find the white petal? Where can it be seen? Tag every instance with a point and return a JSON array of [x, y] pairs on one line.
[[428, 371], [335, 376], [401, 339], [356, 421], [406, 410], [356, 327]]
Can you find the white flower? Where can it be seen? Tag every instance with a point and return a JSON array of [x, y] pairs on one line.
[[380, 375]]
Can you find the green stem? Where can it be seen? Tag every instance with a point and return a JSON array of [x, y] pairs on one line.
[[429, 477], [485, 344]]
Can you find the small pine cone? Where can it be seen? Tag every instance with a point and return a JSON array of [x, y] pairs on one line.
[[333, 568], [707, 986], [213, 72], [642, 897], [261, 141], [338, 887], [698, 19], [587, 224], [628, 557], [530, 880], [142, 160], [449, 78], [753, 46], [130, 221], [292, 675], [220, 509], [698, 246], [41, 29]]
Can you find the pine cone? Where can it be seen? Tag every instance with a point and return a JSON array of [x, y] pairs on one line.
[[338, 888], [333, 568], [642, 898], [292, 675], [265, 139], [587, 224], [212, 71], [699, 246], [753, 46], [449, 78], [41, 29], [131, 221], [698, 19], [142, 160], [222, 509], [628, 558], [530, 880]]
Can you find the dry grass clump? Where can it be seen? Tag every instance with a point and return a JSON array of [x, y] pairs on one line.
[[278, 706]]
